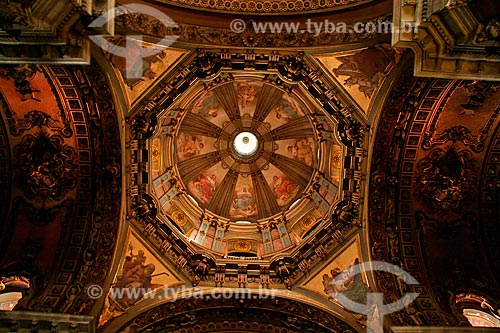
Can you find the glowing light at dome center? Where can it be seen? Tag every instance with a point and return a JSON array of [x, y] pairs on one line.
[[245, 144]]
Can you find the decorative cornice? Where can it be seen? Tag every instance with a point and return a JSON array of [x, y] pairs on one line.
[[209, 36], [266, 6], [449, 43]]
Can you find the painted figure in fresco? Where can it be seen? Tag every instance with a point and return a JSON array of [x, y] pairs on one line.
[[134, 260], [136, 68], [367, 68], [246, 93], [283, 187], [477, 92], [136, 274], [286, 109], [302, 150], [348, 282], [207, 107], [244, 202], [189, 145], [22, 76], [205, 186], [366, 86]]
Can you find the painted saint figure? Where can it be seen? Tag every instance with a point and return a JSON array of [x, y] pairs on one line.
[[286, 109], [137, 275], [348, 282], [204, 186], [284, 189], [302, 150], [189, 145], [246, 93], [243, 203], [206, 107]]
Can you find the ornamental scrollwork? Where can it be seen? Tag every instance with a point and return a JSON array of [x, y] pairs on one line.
[[446, 178], [46, 167], [457, 133], [248, 38], [266, 6]]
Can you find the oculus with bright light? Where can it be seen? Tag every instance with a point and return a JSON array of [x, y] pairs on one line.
[[245, 144]]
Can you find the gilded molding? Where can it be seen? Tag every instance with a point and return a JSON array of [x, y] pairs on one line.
[[450, 43], [209, 36], [266, 6]]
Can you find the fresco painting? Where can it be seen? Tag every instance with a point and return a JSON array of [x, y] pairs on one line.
[[286, 110], [284, 188], [339, 276], [136, 68], [302, 150], [298, 149], [140, 271], [138, 73], [209, 108], [205, 184], [243, 205], [247, 93], [136, 273], [362, 71], [346, 282], [189, 145]]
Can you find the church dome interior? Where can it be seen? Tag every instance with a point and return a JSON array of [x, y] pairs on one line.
[[250, 166]]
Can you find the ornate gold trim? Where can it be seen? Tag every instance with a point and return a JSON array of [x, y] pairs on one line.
[[265, 6]]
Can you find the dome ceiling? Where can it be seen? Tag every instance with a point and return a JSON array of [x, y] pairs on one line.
[[264, 179], [244, 170], [246, 153]]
